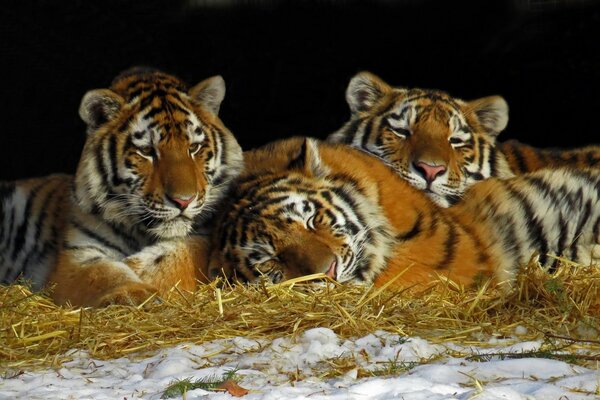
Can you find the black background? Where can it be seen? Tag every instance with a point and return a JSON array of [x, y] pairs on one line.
[[287, 64]]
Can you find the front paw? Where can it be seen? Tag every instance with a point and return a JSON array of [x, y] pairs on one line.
[[131, 294]]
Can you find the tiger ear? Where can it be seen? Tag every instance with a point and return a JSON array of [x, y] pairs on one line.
[[492, 113], [98, 107], [364, 91], [209, 93], [309, 160]]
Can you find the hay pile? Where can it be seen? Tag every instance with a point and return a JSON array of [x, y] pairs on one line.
[[562, 308]]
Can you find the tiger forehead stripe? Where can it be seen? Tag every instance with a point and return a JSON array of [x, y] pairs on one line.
[[432, 96]]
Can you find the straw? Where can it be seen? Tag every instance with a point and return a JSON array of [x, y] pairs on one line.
[[562, 307]]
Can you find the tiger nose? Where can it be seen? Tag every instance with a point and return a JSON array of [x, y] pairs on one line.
[[429, 172], [181, 201]]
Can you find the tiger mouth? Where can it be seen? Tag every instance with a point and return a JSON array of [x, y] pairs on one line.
[[332, 270], [156, 221]]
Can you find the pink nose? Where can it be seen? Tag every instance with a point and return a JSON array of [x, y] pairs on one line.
[[182, 203], [429, 172]]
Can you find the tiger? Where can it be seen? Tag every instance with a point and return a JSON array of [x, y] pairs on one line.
[[131, 222], [305, 206], [439, 143]]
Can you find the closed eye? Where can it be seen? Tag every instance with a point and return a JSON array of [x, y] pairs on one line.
[[310, 223], [401, 132], [459, 139], [259, 254], [398, 128], [146, 152], [195, 148]]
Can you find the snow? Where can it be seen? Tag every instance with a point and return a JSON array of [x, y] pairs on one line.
[[296, 368]]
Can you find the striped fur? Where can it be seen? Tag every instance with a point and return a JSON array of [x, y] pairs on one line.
[[523, 158], [156, 162], [33, 218], [439, 143], [298, 199]]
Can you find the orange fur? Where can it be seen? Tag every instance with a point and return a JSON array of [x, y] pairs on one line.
[[498, 226]]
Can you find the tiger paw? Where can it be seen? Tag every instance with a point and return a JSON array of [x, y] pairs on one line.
[[132, 294]]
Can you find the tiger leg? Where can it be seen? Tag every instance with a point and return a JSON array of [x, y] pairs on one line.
[[182, 262], [97, 283], [157, 268]]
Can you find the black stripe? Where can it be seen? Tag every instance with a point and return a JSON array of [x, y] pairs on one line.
[[592, 158], [100, 166], [366, 134], [449, 247], [414, 231], [596, 230], [562, 241], [535, 230], [582, 221], [350, 131], [543, 187], [7, 190], [40, 220], [153, 112], [97, 237], [332, 217], [520, 160], [493, 160], [343, 194], [112, 152], [137, 92], [19, 238], [481, 148], [482, 256], [174, 106], [68, 246]]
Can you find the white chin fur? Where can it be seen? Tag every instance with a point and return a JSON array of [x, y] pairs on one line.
[[172, 229]]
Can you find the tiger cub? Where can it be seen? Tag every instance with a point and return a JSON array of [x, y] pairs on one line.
[[303, 206], [441, 144], [156, 162]]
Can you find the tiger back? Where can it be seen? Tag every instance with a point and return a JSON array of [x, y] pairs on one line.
[[304, 206], [155, 164], [441, 144]]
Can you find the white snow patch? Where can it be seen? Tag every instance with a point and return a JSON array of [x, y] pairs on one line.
[[268, 368]]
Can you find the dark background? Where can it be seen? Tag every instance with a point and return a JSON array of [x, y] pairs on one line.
[[287, 64]]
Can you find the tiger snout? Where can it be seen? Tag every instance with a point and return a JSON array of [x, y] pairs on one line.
[[308, 257], [429, 170], [184, 188], [183, 200]]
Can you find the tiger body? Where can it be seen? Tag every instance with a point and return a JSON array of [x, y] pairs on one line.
[[441, 144], [156, 162], [523, 158], [34, 216], [304, 206]]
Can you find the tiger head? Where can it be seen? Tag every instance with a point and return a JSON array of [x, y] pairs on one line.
[[157, 158], [299, 220], [438, 143]]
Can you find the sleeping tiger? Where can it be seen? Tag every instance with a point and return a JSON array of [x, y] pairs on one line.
[[156, 162], [303, 206], [441, 144]]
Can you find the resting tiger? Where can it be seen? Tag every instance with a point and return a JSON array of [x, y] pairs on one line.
[[303, 206], [156, 161], [442, 144]]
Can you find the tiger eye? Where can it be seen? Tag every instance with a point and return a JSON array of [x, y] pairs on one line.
[[147, 151], [194, 148]]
